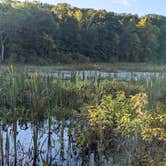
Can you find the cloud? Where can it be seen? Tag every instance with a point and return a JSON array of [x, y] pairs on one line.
[[123, 2]]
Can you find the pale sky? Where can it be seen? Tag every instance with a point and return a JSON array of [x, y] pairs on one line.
[[140, 7]]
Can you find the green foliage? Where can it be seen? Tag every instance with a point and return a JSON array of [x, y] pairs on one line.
[[120, 110], [32, 32], [120, 117], [154, 124]]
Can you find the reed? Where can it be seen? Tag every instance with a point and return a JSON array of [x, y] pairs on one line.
[[1, 149], [34, 97]]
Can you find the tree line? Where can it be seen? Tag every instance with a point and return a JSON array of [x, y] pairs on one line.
[[33, 32]]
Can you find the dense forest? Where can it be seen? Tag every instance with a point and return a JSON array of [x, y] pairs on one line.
[[32, 32]]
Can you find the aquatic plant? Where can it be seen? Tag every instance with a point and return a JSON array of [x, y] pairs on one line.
[[102, 117]]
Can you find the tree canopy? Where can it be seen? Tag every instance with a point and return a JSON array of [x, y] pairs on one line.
[[31, 31]]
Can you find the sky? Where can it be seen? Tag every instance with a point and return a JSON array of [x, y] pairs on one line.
[[140, 7]]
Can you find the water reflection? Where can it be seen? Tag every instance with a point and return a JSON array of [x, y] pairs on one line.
[[89, 74], [31, 144]]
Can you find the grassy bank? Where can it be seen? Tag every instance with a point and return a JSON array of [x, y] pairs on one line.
[[110, 67]]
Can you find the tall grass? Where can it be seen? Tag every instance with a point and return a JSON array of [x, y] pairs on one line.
[[34, 97], [155, 87]]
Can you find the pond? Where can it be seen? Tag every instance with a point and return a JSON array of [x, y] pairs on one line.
[[47, 131], [39, 144], [87, 74]]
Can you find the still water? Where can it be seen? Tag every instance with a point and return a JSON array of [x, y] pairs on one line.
[[53, 141]]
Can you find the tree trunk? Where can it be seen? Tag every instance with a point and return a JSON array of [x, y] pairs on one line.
[[2, 51]]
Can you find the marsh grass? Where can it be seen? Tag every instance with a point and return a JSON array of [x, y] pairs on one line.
[[111, 67], [35, 97], [46, 92], [155, 87]]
